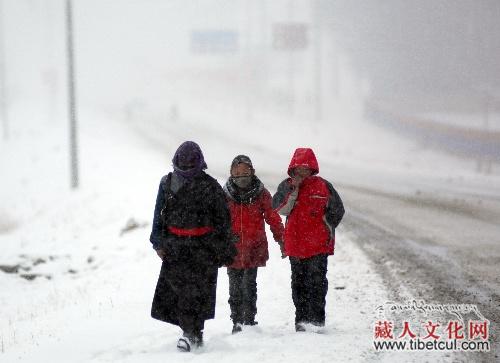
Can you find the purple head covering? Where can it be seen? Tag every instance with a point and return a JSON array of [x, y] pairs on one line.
[[188, 160]]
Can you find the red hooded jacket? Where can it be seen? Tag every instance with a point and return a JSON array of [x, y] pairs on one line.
[[313, 210]]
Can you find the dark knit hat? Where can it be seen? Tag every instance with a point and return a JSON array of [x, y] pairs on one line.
[[242, 159]]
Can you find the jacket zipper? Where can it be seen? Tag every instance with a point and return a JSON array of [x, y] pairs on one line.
[[241, 222]]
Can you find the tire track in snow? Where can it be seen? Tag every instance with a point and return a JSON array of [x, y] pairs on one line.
[[415, 266]]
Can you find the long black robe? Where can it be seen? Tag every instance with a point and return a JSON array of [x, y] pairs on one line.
[[187, 283]]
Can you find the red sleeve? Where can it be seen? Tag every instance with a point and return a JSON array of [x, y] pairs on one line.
[[271, 216]]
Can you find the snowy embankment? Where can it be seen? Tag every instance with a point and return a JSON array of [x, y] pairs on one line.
[[88, 281]]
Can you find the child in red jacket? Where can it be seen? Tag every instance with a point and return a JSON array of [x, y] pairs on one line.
[[250, 206]]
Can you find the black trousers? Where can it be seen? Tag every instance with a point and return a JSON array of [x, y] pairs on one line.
[[243, 294], [309, 288]]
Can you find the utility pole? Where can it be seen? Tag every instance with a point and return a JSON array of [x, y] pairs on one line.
[[263, 56], [73, 141], [50, 74], [3, 82], [318, 91], [250, 82], [291, 65]]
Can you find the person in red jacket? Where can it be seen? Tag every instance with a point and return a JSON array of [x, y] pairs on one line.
[[313, 210], [250, 206]]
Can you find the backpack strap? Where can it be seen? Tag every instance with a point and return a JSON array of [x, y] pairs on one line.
[[168, 196]]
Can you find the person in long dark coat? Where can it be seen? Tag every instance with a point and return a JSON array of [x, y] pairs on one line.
[[191, 233]]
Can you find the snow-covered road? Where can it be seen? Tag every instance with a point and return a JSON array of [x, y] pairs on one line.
[[433, 248]]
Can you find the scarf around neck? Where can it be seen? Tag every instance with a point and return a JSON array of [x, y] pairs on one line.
[[244, 196]]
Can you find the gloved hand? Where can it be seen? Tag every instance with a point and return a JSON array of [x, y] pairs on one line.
[[227, 258], [161, 253], [225, 254], [235, 238], [282, 249]]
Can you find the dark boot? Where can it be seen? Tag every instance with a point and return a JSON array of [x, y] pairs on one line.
[[300, 327], [236, 328], [183, 345], [190, 341], [251, 322]]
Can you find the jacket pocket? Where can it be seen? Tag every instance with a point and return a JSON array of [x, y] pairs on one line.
[[317, 205]]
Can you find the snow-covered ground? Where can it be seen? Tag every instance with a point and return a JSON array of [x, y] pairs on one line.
[[91, 301], [88, 281]]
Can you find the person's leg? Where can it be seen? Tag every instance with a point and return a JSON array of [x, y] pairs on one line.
[[190, 320], [235, 294], [197, 333], [317, 284], [192, 332], [249, 285], [191, 303], [192, 325], [299, 295]]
